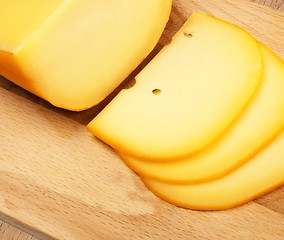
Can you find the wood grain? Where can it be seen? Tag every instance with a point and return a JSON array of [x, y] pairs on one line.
[[274, 4], [8, 232], [57, 181]]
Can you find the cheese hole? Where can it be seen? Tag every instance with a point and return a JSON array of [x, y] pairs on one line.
[[186, 34], [129, 84], [156, 91]]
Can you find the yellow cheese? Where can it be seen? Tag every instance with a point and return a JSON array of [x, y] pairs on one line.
[[187, 95], [261, 174], [260, 121], [73, 53]]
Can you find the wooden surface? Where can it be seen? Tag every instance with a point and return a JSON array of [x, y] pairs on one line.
[[57, 181]]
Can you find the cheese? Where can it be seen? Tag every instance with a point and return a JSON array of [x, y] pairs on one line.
[[185, 98], [261, 174], [74, 53], [258, 124]]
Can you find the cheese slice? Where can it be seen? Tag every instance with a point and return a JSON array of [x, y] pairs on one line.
[[192, 90], [73, 53], [258, 124], [261, 174]]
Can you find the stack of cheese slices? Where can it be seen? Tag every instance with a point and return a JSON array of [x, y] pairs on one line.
[[203, 123]]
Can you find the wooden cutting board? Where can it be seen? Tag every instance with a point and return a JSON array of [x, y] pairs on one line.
[[59, 182]]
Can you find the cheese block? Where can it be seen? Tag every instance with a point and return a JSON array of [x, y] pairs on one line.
[[187, 95], [73, 53], [261, 174], [258, 124]]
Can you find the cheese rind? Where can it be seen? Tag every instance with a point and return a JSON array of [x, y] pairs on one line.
[[19, 20], [84, 49], [256, 126], [187, 96], [261, 174]]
